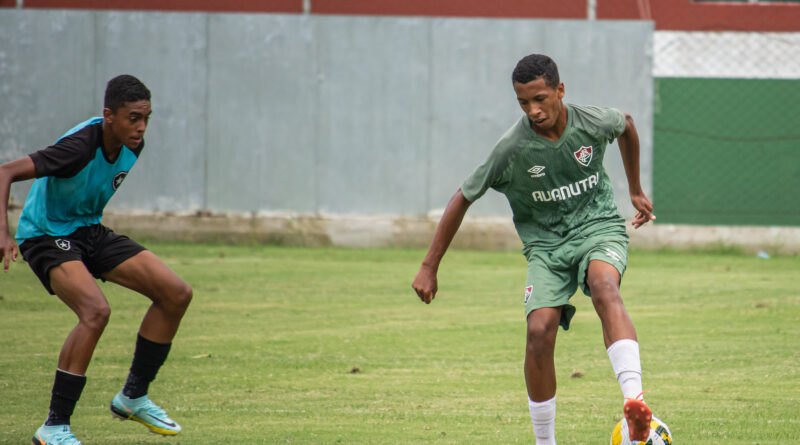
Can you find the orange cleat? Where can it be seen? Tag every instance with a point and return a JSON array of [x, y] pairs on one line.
[[638, 416]]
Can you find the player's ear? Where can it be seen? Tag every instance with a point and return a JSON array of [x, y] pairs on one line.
[[560, 89], [108, 115]]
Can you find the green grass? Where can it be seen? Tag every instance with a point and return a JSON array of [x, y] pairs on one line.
[[267, 351]]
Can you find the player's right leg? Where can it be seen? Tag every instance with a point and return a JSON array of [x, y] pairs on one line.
[[548, 288], [540, 375], [540, 372], [76, 287]]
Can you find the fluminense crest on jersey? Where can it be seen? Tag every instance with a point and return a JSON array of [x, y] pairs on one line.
[[584, 155], [536, 171], [567, 191]]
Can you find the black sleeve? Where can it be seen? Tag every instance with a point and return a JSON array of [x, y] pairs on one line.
[[66, 157]]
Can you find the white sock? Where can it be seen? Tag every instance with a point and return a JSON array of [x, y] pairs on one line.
[[624, 355], [543, 416]]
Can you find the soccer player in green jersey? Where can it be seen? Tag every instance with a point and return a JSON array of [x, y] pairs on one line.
[[549, 165]]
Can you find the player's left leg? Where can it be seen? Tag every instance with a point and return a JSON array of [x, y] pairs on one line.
[[603, 280], [147, 274], [619, 335]]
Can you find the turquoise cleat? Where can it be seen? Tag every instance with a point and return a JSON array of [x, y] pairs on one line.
[[55, 435], [144, 411]]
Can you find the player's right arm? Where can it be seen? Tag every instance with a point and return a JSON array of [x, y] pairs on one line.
[[493, 173], [13, 171], [425, 283]]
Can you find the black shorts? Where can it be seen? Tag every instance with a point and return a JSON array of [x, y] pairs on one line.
[[97, 246]]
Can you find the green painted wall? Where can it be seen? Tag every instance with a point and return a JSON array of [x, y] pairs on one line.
[[727, 151]]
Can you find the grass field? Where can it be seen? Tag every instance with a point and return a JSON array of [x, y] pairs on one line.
[[327, 346]]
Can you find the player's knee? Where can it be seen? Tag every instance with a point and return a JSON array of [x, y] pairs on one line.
[[608, 304], [184, 295], [604, 289], [178, 297], [96, 317], [174, 296], [540, 336]]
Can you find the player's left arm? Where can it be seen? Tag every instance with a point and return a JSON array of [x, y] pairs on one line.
[[629, 148]]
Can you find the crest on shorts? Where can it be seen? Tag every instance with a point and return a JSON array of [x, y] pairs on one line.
[[528, 292], [63, 244], [118, 178], [583, 155]]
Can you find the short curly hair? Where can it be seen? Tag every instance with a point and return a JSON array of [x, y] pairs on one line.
[[534, 66], [124, 88]]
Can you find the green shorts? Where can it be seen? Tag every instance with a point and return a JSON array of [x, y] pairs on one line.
[[554, 274]]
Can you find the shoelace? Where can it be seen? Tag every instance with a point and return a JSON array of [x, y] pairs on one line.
[[638, 396]]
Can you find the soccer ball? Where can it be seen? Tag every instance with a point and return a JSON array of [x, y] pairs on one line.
[[659, 434]]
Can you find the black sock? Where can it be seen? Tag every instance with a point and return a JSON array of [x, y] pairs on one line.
[[147, 359], [67, 389]]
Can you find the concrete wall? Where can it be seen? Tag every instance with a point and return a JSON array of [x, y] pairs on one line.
[[307, 114]]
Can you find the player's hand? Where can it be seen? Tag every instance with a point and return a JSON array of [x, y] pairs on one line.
[[425, 284], [8, 250], [644, 210]]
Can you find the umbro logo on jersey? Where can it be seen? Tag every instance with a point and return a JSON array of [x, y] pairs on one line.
[[63, 244], [118, 179], [583, 155], [536, 171]]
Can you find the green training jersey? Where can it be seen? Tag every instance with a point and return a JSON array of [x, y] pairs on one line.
[[556, 189]]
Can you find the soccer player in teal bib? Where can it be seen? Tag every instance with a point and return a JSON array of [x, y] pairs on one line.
[[549, 165], [61, 237]]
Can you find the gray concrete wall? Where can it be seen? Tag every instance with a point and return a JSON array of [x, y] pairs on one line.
[[313, 115]]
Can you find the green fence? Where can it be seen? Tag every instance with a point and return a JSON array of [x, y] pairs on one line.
[[727, 151]]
